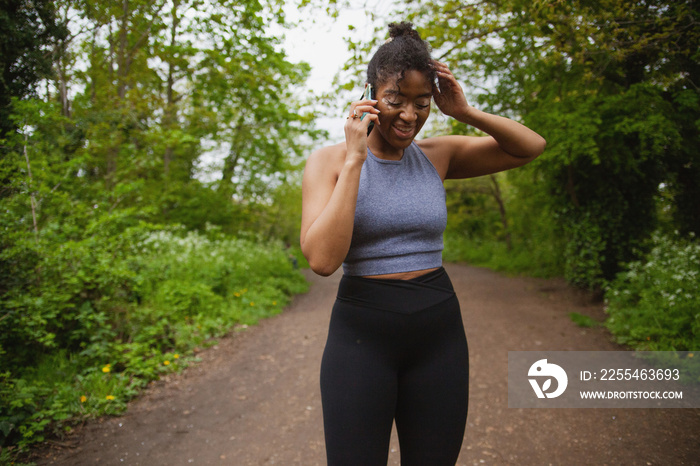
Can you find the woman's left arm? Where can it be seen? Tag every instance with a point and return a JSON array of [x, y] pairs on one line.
[[508, 144]]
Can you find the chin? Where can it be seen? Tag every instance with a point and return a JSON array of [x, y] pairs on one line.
[[396, 141], [402, 143]]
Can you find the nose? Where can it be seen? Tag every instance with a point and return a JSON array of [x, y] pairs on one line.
[[408, 114]]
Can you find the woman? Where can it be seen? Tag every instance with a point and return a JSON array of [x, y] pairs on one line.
[[396, 348]]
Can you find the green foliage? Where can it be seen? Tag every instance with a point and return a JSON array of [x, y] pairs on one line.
[[604, 83], [519, 239], [163, 135], [188, 111], [519, 260], [28, 32], [472, 210], [583, 320], [653, 304], [584, 252], [109, 313]]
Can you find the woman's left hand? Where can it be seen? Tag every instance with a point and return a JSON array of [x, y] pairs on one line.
[[448, 94]]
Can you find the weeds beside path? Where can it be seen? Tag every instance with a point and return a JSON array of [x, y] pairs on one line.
[[254, 398]]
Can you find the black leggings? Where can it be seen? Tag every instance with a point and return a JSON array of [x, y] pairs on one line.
[[396, 350]]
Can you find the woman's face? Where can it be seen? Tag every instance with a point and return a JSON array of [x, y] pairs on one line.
[[404, 107]]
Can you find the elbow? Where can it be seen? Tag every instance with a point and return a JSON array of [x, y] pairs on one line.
[[535, 150], [323, 269], [319, 264], [542, 145], [528, 151]]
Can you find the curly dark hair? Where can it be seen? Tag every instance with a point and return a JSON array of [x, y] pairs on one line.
[[404, 51]]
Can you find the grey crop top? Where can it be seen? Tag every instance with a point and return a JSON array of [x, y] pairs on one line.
[[400, 216]]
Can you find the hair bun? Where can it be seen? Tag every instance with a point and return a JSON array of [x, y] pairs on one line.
[[401, 29], [403, 51]]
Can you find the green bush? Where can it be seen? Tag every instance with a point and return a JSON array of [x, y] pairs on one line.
[[654, 305], [536, 261], [523, 238], [106, 314], [584, 252]]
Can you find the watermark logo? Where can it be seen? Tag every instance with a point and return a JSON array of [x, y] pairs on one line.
[[603, 379], [547, 371]]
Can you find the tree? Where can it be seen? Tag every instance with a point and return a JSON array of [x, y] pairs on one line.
[[27, 32], [166, 81], [110, 155], [143, 87], [602, 81]]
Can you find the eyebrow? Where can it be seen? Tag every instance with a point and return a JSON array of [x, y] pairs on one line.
[[398, 92]]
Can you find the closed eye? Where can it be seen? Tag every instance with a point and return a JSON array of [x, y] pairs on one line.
[[398, 104]]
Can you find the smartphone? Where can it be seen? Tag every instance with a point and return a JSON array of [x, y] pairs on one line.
[[368, 94]]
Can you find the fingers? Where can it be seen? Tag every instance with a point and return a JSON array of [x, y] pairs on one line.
[[357, 109], [446, 82], [447, 91], [441, 68], [364, 111], [443, 71], [360, 123]]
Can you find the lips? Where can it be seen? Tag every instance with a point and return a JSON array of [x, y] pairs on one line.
[[404, 131]]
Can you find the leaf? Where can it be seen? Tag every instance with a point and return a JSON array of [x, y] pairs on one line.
[[546, 384]]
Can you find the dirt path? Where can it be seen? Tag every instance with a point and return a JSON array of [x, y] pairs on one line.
[[254, 398]]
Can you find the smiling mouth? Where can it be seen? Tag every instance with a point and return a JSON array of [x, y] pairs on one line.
[[404, 131]]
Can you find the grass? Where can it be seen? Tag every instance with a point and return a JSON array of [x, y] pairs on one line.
[[540, 261]]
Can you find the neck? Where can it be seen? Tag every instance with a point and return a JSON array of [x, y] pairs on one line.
[[382, 150]]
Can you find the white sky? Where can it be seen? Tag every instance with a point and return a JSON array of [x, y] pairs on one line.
[[320, 44]]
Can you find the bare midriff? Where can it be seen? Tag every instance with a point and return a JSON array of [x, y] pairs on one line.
[[403, 275]]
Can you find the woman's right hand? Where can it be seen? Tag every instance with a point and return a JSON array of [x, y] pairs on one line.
[[356, 128], [329, 192]]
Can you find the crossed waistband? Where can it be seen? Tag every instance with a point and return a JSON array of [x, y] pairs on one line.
[[403, 296]]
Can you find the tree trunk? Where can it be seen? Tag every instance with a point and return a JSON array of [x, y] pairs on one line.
[[570, 186], [32, 197], [496, 191], [63, 82], [231, 160], [170, 114], [122, 51]]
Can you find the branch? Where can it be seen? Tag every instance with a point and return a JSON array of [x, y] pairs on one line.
[[32, 198], [145, 34], [471, 37]]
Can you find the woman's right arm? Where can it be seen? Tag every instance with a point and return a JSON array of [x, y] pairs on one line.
[[329, 194], [328, 209]]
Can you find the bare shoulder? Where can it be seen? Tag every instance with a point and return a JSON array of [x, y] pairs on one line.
[[326, 160]]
